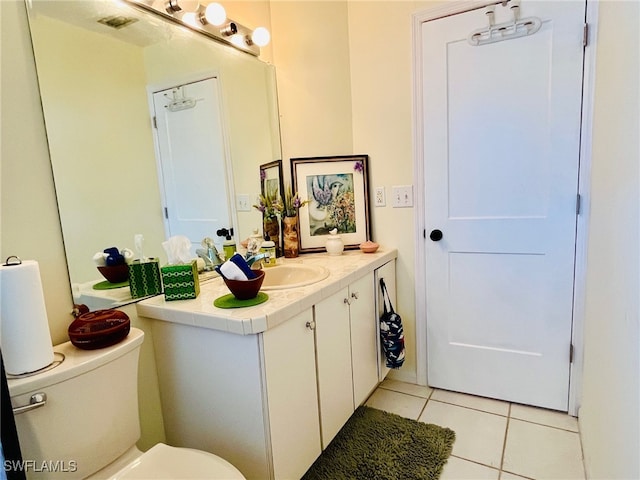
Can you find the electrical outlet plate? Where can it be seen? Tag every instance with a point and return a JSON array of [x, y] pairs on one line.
[[402, 196], [242, 203], [379, 197]]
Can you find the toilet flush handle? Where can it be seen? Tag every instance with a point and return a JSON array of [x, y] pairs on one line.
[[37, 400]]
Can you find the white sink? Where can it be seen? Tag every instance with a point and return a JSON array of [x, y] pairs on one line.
[[292, 276]]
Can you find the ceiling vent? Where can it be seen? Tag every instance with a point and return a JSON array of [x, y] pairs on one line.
[[117, 21]]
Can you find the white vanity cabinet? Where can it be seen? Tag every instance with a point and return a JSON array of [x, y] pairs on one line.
[[270, 402], [346, 352]]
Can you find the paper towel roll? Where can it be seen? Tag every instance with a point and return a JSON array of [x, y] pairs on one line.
[[24, 328]]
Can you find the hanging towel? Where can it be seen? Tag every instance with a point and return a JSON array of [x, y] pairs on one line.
[[391, 332], [236, 268]]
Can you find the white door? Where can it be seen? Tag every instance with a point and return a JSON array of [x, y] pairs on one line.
[[190, 142], [501, 153]]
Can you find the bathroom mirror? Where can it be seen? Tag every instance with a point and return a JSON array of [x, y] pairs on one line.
[[99, 63]]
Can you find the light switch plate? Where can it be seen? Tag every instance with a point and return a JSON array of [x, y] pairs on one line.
[[402, 196], [243, 204], [379, 197]]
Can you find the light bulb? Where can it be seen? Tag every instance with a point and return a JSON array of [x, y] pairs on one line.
[[191, 18], [215, 14], [237, 40], [261, 36]]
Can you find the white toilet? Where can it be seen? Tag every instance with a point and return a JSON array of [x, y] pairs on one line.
[[89, 425]]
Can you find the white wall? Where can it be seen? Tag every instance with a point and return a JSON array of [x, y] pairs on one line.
[[310, 41], [609, 417]]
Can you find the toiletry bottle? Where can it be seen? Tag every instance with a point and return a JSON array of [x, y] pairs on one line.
[[229, 247], [268, 247]]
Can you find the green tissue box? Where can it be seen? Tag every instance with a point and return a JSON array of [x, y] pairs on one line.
[[181, 282], [144, 278]]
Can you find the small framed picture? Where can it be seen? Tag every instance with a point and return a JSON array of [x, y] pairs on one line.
[[271, 181], [337, 192]]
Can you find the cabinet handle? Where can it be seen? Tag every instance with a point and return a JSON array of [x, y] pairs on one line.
[[311, 325], [354, 295], [37, 400], [346, 301]]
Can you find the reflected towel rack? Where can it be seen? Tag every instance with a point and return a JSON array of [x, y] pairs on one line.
[[179, 101]]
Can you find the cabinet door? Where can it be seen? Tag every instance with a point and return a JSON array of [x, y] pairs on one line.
[[292, 396], [333, 356], [364, 347]]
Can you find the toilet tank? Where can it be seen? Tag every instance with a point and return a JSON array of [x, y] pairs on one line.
[[90, 417]]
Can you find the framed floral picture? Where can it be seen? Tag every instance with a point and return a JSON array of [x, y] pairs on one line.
[[337, 192]]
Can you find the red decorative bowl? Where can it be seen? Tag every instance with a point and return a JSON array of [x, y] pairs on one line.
[[115, 273], [246, 289], [369, 246], [99, 329]]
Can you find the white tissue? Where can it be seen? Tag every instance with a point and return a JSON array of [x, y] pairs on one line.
[[138, 242], [127, 254], [178, 249], [100, 259]]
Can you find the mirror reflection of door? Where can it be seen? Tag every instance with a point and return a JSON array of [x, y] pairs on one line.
[[192, 160]]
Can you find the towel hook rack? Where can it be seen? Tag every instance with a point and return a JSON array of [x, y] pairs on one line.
[[516, 28]]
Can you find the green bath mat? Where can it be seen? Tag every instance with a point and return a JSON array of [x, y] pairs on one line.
[[378, 445]]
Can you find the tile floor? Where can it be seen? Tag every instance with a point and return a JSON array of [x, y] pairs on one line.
[[494, 440]]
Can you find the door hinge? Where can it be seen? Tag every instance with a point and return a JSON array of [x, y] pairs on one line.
[[155, 122], [578, 203], [571, 353], [585, 35], [166, 213]]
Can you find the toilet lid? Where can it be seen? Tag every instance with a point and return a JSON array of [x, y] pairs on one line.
[[165, 462]]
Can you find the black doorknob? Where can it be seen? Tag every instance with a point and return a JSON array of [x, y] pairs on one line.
[[436, 235]]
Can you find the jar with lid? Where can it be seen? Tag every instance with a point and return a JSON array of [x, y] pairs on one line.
[[334, 245]]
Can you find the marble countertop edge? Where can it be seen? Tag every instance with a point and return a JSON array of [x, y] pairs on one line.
[[282, 304]]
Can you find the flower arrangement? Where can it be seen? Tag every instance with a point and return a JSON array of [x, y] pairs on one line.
[[292, 202], [270, 206]]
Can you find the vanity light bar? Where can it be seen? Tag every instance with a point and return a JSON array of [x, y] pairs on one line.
[[230, 32]]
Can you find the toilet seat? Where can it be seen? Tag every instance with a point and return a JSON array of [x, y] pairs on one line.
[[165, 462]]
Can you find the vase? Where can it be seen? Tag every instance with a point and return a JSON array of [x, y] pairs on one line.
[[290, 225], [272, 230]]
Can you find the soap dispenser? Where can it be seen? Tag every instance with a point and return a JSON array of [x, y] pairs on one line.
[[334, 244], [229, 244]]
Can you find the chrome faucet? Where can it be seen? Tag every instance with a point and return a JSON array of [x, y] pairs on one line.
[[257, 259], [209, 254]]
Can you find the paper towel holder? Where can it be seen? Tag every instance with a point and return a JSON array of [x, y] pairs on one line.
[[7, 264]]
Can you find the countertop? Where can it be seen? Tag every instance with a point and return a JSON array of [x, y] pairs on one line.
[[282, 304]]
